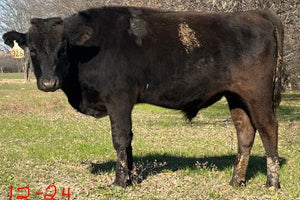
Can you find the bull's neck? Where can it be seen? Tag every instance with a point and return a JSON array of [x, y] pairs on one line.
[[71, 86]]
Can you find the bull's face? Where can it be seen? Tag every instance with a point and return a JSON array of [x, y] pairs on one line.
[[48, 50], [49, 41]]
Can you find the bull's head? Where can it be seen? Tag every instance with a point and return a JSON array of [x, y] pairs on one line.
[[49, 45]]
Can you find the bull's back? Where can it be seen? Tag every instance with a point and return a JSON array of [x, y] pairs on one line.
[[193, 57]]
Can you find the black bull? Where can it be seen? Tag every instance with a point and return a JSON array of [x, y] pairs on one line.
[[108, 59]]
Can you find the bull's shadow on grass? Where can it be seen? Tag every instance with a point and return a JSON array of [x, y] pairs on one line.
[[157, 163]]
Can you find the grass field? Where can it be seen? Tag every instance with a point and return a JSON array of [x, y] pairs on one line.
[[43, 142]]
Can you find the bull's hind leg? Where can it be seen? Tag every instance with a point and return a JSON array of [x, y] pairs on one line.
[[245, 135], [269, 136], [267, 125], [263, 118]]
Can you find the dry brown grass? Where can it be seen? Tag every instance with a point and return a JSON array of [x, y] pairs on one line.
[[44, 141]]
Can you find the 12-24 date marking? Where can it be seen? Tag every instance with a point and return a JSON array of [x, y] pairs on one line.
[[46, 196]]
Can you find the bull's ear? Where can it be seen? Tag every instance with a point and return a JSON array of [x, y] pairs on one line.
[[9, 38], [84, 34]]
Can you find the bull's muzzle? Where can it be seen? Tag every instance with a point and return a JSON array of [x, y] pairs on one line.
[[49, 84]]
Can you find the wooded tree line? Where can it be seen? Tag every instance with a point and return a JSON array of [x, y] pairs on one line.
[[16, 14]]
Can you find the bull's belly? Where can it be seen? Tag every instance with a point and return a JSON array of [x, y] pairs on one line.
[[179, 99]]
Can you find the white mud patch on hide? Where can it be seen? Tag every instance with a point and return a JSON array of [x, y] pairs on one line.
[[188, 37]]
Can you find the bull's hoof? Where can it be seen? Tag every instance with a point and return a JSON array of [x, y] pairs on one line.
[[122, 183], [272, 185], [236, 183]]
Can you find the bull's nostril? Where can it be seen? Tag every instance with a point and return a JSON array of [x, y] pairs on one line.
[[49, 84], [56, 83]]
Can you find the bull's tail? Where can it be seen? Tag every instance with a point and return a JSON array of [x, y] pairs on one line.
[[279, 72], [279, 75]]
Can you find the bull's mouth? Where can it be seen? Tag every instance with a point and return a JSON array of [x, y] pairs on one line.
[[48, 89], [49, 85]]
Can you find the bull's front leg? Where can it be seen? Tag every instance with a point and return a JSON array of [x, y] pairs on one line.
[[122, 144], [121, 125]]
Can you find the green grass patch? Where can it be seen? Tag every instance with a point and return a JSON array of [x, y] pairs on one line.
[[44, 141]]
